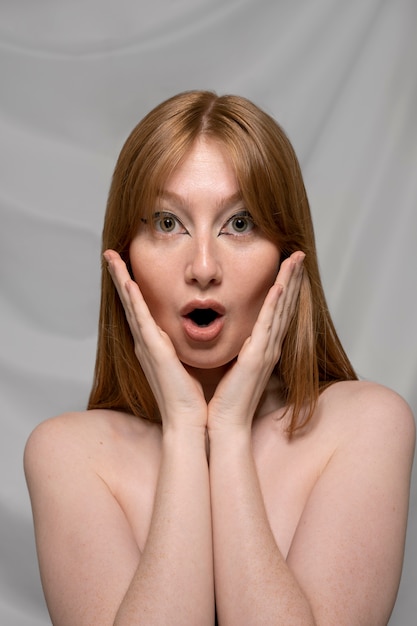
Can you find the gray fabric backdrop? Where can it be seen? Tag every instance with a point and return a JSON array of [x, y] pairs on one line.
[[76, 75]]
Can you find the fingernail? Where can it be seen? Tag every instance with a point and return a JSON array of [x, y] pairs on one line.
[[107, 259]]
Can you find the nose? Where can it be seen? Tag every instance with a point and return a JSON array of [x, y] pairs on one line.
[[204, 265]]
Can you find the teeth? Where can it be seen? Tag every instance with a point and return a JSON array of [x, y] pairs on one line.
[[203, 317]]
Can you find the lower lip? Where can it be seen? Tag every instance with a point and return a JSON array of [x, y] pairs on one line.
[[203, 333]]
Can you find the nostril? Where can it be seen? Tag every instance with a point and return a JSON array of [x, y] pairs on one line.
[[203, 317]]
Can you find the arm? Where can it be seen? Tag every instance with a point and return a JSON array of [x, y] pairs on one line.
[[355, 519], [86, 550], [91, 566], [175, 573], [174, 576], [253, 583], [344, 563], [345, 560], [92, 569]]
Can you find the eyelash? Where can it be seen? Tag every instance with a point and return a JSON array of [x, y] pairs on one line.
[[165, 215], [160, 216], [244, 215]]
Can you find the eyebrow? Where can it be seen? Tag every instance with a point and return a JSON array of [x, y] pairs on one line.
[[224, 203]]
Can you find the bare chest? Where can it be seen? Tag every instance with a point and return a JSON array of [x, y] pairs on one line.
[[287, 472]]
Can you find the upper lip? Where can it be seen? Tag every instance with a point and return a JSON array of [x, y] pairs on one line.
[[203, 304]]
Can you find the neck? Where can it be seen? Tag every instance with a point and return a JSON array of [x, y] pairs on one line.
[[271, 399], [208, 378]]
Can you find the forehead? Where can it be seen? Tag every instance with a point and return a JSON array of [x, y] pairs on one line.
[[178, 201], [206, 169], [206, 157]]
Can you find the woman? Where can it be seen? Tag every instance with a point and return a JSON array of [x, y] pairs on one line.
[[230, 465]]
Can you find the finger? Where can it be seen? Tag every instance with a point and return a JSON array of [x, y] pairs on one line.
[[281, 299], [135, 307], [289, 276], [261, 351], [278, 309], [119, 273], [145, 326]]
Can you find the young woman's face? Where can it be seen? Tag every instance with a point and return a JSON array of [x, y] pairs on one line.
[[203, 267]]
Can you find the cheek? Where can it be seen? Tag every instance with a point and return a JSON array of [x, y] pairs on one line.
[[145, 271], [254, 285], [263, 272], [154, 275]]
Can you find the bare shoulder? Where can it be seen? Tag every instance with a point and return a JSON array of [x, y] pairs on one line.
[[87, 438], [55, 439], [82, 470], [96, 421], [360, 405], [353, 524]]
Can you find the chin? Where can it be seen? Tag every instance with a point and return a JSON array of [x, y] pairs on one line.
[[207, 365], [209, 377], [205, 361]]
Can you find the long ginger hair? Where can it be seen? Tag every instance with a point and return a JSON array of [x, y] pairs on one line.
[[273, 191]]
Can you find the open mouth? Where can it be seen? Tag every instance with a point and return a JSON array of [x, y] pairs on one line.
[[203, 317]]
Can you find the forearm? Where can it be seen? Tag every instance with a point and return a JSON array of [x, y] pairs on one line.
[[252, 580], [174, 579]]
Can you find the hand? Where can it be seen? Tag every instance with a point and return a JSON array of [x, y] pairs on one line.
[[180, 397], [238, 394]]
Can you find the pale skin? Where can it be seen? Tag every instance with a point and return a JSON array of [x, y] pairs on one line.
[[138, 523]]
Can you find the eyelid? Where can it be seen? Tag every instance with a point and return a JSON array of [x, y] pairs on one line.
[[242, 213], [158, 215]]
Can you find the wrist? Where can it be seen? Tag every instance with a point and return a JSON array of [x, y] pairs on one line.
[[184, 435], [229, 434]]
